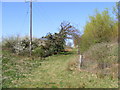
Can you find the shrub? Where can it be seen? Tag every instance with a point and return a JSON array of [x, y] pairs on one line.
[[103, 54], [102, 58], [101, 27], [19, 45], [10, 43], [39, 51]]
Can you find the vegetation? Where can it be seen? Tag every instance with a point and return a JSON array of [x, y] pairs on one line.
[[102, 59], [19, 45], [54, 64], [100, 28], [99, 45], [55, 43], [55, 71]]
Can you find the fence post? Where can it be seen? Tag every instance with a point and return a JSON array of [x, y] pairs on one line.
[[80, 61]]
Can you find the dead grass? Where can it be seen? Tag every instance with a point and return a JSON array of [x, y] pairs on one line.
[[102, 55]]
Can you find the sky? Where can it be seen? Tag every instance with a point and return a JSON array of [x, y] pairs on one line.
[[47, 16]]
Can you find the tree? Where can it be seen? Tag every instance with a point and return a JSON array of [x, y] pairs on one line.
[[56, 42], [100, 28], [116, 10]]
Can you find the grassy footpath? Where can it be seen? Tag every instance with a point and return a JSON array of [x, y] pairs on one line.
[[53, 73]]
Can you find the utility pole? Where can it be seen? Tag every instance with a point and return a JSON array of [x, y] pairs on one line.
[[31, 28]]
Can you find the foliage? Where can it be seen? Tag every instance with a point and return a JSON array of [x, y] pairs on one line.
[[10, 42], [100, 28], [116, 10], [19, 45], [39, 51], [56, 42]]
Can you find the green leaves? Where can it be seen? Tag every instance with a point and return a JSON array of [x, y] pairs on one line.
[[100, 28]]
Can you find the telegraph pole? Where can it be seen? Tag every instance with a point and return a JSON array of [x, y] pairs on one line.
[[31, 28]]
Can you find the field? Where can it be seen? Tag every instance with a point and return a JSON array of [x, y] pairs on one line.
[[55, 71], [72, 47]]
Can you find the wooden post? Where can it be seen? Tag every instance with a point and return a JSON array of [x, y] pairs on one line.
[[80, 61]]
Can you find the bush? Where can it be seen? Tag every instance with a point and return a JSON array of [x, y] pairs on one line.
[[101, 27], [103, 54], [101, 58], [39, 51], [18, 45]]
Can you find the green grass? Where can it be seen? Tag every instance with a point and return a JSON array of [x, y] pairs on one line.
[[52, 72]]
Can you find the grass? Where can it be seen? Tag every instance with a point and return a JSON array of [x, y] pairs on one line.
[[15, 67], [52, 72]]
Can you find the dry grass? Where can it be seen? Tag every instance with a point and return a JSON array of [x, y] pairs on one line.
[[102, 59]]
